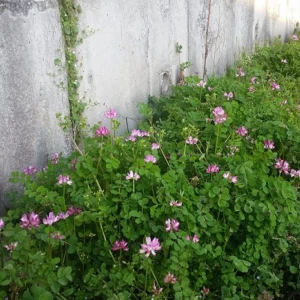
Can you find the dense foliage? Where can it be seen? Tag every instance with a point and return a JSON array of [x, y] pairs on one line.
[[201, 202]]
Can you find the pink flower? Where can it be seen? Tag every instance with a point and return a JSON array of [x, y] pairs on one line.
[[73, 211], [34, 220], [131, 138], [170, 278], [135, 132], [284, 102], [226, 175], [269, 144], [30, 170], [150, 247], [102, 131], [120, 245], [2, 223], [175, 203], [156, 291], [284, 61], [212, 169], [172, 225], [145, 133], [11, 247], [190, 140], [275, 86], [150, 158], [155, 146], [57, 236], [54, 158], [201, 83], [220, 115], [240, 72], [295, 173], [195, 239], [233, 179], [242, 131], [50, 219], [111, 114], [295, 37], [31, 221], [228, 95], [135, 176], [64, 179], [253, 79], [205, 291], [62, 215], [251, 89], [282, 165]]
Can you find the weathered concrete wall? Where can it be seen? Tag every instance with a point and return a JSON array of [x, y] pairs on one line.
[[30, 35], [134, 43], [130, 55]]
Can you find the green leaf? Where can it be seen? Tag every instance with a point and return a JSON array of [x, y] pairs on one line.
[[293, 269]]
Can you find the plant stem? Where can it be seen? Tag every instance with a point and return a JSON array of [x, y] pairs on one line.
[[104, 237]]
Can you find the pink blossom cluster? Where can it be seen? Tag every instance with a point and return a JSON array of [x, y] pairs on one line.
[[57, 236], [251, 89], [240, 72], [50, 219], [295, 173], [282, 166], [120, 245], [134, 176], [212, 169], [170, 278], [194, 239], [233, 179], [150, 246], [54, 157], [74, 162], [30, 220], [295, 37], [269, 144], [242, 131], [11, 247], [275, 86], [156, 291], [228, 95], [190, 140], [137, 133], [253, 80], [175, 203], [150, 158], [220, 115], [30, 170], [102, 131], [155, 146], [202, 83], [172, 225], [64, 179], [73, 211], [2, 223], [111, 114]]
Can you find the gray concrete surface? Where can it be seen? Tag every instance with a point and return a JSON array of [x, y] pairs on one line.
[[131, 54], [30, 35]]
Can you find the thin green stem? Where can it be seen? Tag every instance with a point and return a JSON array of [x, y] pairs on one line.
[[104, 237]]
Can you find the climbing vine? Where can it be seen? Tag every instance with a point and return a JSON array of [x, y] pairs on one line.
[[69, 13]]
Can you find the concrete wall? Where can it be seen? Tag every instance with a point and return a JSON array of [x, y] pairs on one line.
[[130, 55], [30, 35], [134, 44]]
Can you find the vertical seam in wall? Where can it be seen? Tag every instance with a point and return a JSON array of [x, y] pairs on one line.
[[148, 51], [188, 29]]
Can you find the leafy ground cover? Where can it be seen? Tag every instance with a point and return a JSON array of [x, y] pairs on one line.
[[202, 201]]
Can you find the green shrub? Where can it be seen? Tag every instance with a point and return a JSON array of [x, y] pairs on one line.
[[208, 186]]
